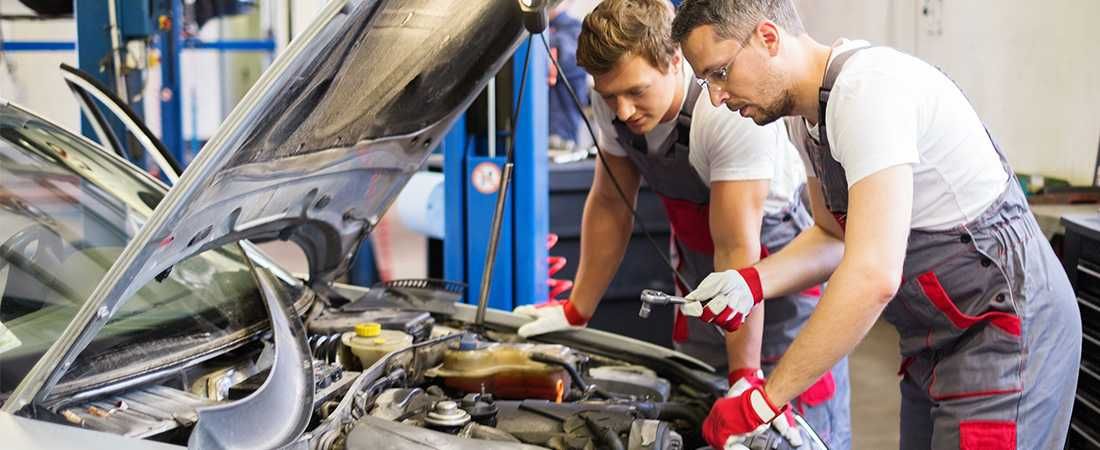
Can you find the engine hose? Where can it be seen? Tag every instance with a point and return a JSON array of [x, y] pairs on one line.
[[669, 411], [578, 380], [608, 437], [554, 265]]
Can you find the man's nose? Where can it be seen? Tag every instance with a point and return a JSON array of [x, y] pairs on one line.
[[624, 110], [717, 96]]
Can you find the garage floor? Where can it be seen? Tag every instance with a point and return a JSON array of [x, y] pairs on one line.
[[875, 397], [874, 365]]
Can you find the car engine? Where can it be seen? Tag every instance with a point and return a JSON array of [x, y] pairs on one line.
[[391, 370]]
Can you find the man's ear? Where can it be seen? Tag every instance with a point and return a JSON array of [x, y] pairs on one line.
[[675, 62], [768, 32]]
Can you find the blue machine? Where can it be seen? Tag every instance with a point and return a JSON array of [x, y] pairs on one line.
[[519, 273]]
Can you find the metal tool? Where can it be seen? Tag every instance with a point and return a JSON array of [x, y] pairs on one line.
[[651, 297]]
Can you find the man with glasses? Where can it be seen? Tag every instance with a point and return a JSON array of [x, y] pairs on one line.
[[731, 190], [918, 217]]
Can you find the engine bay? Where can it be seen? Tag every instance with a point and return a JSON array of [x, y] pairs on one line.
[[387, 375]]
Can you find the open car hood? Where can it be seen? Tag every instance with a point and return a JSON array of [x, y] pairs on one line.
[[316, 151]]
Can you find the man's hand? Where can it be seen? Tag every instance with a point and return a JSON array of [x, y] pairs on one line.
[[744, 412], [786, 426], [729, 297], [550, 317]]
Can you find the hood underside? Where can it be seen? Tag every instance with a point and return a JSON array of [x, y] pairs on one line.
[[318, 148]]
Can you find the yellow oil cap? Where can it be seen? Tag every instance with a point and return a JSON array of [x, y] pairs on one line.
[[368, 329]]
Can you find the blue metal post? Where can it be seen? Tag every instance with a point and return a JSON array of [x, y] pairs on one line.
[[171, 95], [531, 193], [93, 48], [454, 204], [93, 44]]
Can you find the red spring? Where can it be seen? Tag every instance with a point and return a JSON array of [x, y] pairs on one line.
[[555, 264]]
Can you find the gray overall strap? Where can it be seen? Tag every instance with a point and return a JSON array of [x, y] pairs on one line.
[[668, 171], [832, 72], [834, 180]]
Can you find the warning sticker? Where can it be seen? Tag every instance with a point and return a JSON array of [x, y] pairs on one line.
[[486, 178]]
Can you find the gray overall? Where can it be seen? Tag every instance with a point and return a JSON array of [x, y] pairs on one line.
[[989, 326], [686, 198]]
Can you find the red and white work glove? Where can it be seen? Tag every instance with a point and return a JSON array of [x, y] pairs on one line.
[[744, 412], [550, 317], [728, 297], [786, 426]]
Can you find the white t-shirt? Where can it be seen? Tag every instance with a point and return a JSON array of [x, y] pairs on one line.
[[888, 108], [724, 147]]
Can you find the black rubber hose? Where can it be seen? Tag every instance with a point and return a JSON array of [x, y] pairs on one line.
[[670, 411], [573, 373], [610, 439], [576, 376]]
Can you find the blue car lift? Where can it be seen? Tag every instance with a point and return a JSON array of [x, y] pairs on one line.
[[520, 269]]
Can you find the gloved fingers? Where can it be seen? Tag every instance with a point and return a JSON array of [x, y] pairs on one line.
[[714, 308], [542, 326], [788, 428], [529, 329], [733, 323], [711, 286], [724, 317], [526, 310], [740, 441], [693, 309]]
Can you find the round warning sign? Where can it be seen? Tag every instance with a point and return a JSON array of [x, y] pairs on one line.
[[486, 178]]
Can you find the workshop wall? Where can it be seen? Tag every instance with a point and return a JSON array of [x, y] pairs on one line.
[[32, 79], [1030, 68]]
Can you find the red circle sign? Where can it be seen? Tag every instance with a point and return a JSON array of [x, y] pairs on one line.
[[486, 178]]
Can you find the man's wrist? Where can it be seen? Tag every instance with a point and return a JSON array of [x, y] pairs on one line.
[[751, 373], [774, 394], [573, 315]]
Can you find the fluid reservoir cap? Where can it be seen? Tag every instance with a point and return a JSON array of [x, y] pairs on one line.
[[368, 329], [468, 341]]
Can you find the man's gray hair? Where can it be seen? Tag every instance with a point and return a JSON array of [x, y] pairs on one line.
[[734, 19]]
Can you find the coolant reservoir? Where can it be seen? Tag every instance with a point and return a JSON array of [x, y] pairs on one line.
[[369, 342], [506, 371]]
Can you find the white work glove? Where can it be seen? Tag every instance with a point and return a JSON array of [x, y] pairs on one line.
[[746, 412], [550, 317], [725, 298], [741, 379]]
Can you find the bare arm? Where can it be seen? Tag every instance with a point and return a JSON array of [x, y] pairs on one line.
[[605, 231], [810, 258], [736, 212], [879, 211]]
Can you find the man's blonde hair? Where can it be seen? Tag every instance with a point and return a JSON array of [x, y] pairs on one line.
[[617, 28]]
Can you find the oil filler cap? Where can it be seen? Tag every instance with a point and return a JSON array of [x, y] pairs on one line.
[[368, 329]]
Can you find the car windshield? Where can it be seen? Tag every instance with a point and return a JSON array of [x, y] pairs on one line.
[[66, 212]]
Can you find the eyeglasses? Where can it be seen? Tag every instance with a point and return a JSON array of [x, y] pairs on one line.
[[718, 77]]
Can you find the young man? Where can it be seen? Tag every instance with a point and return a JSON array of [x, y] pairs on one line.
[[731, 190], [917, 217]]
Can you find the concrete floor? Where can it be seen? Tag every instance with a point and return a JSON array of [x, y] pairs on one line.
[[873, 366], [875, 397]]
